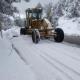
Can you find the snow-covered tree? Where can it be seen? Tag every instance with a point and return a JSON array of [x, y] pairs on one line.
[[19, 22], [48, 8], [39, 5], [7, 8], [6, 11], [70, 8]]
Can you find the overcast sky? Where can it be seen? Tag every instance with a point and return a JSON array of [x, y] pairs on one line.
[[24, 5]]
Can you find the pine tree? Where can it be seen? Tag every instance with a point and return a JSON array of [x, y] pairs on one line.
[[7, 8]]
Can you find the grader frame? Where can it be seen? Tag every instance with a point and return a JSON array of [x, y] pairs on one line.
[[38, 27]]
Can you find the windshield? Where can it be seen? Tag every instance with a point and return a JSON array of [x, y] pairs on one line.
[[36, 15]]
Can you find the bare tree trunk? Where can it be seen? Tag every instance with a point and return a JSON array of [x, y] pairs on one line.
[[1, 34], [1, 30]]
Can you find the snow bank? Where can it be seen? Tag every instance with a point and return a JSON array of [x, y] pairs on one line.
[[70, 26], [12, 32]]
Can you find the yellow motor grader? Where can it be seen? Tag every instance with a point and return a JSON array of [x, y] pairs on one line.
[[40, 28]]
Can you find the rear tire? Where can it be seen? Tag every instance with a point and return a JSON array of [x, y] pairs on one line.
[[59, 35], [23, 31], [35, 36]]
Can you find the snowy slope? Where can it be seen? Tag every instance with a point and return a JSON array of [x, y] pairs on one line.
[[50, 60], [11, 66], [12, 32], [70, 26]]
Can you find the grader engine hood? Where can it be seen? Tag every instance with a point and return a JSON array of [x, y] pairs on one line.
[[36, 23], [41, 24], [49, 25]]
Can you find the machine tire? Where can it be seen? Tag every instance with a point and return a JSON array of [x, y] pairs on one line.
[[35, 36], [23, 31], [59, 35]]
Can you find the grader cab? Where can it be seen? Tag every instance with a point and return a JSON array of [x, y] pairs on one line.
[[39, 28]]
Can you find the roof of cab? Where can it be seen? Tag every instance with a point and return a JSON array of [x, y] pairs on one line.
[[37, 10]]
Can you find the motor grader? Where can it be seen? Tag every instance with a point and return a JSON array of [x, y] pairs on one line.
[[39, 27]]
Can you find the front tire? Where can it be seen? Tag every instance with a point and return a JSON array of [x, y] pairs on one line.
[[35, 36], [59, 37]]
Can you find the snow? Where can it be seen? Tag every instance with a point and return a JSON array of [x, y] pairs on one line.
[[21, 59], [22, 16], [11, 66], [12, 32], [70, 26], [50, 60]]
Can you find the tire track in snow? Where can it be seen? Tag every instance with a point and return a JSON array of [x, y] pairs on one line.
[[49, 58], [44, 57], [20, 54], [66, 52], [67, 55], [61, 64], [64, 55], [31, 52], [33, 48], [55, 53], [52, 64]]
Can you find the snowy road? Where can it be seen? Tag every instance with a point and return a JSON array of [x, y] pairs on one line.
[[11, 66], [49, 60]]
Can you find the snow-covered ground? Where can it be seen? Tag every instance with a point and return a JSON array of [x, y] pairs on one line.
[[70, 26], [11, 65], [50, 60], [21, 59], [46, 61]]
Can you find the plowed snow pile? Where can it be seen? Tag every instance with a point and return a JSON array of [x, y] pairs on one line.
[[12, 32], [70, 26]]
